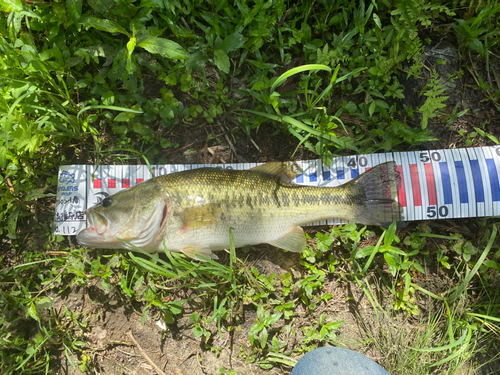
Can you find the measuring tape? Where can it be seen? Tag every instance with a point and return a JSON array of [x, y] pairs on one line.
[[437, 184]]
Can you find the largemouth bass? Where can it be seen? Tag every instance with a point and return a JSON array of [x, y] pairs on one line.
[[192, 211]]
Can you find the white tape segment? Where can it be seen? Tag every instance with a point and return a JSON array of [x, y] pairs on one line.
[[434, 184]]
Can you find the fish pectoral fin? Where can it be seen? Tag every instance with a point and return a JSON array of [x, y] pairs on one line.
[[294, 241], [195, 252], [286, 171]]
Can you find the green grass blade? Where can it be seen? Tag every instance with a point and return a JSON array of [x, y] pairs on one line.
[[430, 294], [282, 78], [373, 253], [466, 333], [281, 358], [109, 107], [482, 258]]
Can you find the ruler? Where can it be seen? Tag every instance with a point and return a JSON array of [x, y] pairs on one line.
[[435, 184]]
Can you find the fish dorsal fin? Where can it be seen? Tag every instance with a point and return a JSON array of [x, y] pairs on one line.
[[294, 241], [286, 171]]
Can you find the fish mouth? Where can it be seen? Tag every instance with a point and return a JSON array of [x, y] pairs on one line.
[[96, 234], [97, 222]]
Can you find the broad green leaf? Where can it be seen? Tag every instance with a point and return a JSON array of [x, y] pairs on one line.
[[124, 116], [74, 9], [130, 48], [232, 42], [376, 19], [194, 317], [101, 6], [390, 236], [492, 264], [32, 311], [263, 338], [482, 133], [391, 262], [371, 109], [166, 113], [3, 157], [175, 307], [197, 61], [164, 47], [11, 5], [131, 45], [221, 59], [103, 25]]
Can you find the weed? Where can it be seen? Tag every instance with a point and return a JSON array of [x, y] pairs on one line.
[[82, 83]]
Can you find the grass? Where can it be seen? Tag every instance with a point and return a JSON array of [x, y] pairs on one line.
[[105, 81]]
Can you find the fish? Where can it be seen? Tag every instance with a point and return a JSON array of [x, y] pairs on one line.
[[193, 211]]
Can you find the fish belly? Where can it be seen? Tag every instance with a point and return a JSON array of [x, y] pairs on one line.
[[246, 229]]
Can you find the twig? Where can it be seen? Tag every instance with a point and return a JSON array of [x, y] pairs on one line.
[[193, 143], [11, 187], [36, 2], [143, 353], [230, 143], [255, 144], [185, 24], [52, 281]]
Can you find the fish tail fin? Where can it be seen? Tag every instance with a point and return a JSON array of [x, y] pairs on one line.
[[375, 193]]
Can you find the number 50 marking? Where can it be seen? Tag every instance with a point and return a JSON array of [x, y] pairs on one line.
[[424, 156], [431, 211]]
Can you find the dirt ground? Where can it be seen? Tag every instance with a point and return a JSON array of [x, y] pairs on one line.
[[121, 344], [175, 350]]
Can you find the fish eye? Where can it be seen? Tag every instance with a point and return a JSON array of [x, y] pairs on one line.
[[107, 202]]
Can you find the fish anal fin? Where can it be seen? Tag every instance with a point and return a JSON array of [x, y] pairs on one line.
[[195, 252], [286, 171], [294, 241]]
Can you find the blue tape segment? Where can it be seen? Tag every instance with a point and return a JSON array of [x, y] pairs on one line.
[[354, 173], [462, 182], [478, 182], [326, 175], [312, 177], [445, 179], [340, 174], [299, 178], [495, 186]]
